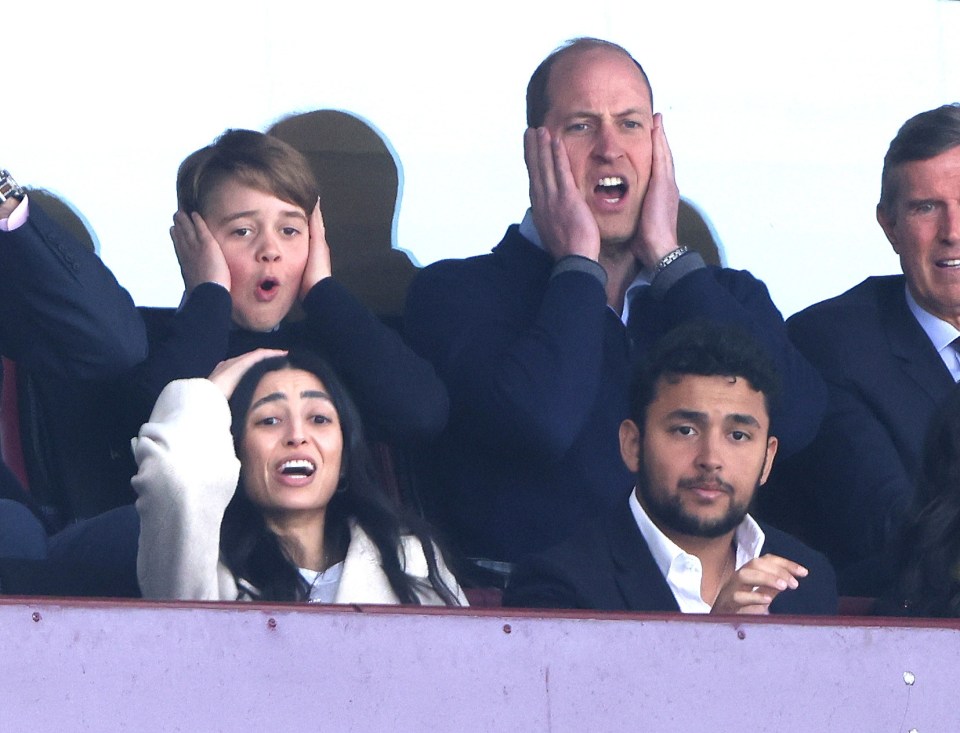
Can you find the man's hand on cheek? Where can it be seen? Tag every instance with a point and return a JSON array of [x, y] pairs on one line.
[[318, 257], [201, 259], [657, 234], [564, 221]]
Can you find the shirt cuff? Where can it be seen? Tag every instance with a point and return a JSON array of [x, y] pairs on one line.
[[576, 263], [17, 218], [672, 273]]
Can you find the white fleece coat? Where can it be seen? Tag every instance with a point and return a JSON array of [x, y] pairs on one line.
[[187, 473]]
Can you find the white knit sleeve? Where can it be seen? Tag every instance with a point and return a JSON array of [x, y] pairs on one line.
[[187, 473]]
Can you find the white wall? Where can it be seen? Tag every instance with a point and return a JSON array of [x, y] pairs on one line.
[[778, 114]]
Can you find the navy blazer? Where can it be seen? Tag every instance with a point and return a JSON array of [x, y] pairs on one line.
[[63, 315], [849, 490], [608, 566], [538, 369]]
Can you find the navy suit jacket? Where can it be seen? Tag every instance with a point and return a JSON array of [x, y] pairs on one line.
[[852, 486], [63, 314], [608, 567], [63, 311], [538, 369]]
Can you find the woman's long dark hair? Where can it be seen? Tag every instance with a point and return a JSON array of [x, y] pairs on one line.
[[253, 552], [928, 581]]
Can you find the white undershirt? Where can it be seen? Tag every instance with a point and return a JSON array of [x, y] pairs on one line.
[[323, 585], [683, 571]]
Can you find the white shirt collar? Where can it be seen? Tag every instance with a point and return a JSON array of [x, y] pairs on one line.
[[324, 584], [643, 279], [940, 333], [529, 230], [683, 571]]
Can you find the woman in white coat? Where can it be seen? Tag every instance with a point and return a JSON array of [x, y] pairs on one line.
[[271, 496]]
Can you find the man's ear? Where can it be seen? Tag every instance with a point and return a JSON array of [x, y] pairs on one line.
[[772, 444], [630, 445], [888, 223]]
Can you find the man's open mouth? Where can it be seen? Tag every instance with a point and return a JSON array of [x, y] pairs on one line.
[[611, 188]]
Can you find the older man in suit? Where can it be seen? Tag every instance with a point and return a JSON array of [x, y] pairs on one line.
[[700, 444], [887, 350]]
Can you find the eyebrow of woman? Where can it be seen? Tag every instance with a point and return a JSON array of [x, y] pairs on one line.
[[276, 396]]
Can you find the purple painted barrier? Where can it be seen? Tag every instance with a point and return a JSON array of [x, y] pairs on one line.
[[97, 666]]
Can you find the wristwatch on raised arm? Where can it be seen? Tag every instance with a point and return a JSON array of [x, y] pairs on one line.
[[9, 188]]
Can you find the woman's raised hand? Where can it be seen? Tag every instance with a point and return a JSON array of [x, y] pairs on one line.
[[228, 373]]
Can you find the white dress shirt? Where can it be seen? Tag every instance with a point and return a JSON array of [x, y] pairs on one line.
[[941, 335], [17, 217], [323, 585], [683, 571]]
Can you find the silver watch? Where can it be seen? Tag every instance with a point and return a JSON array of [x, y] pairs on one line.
[[9, 188]]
